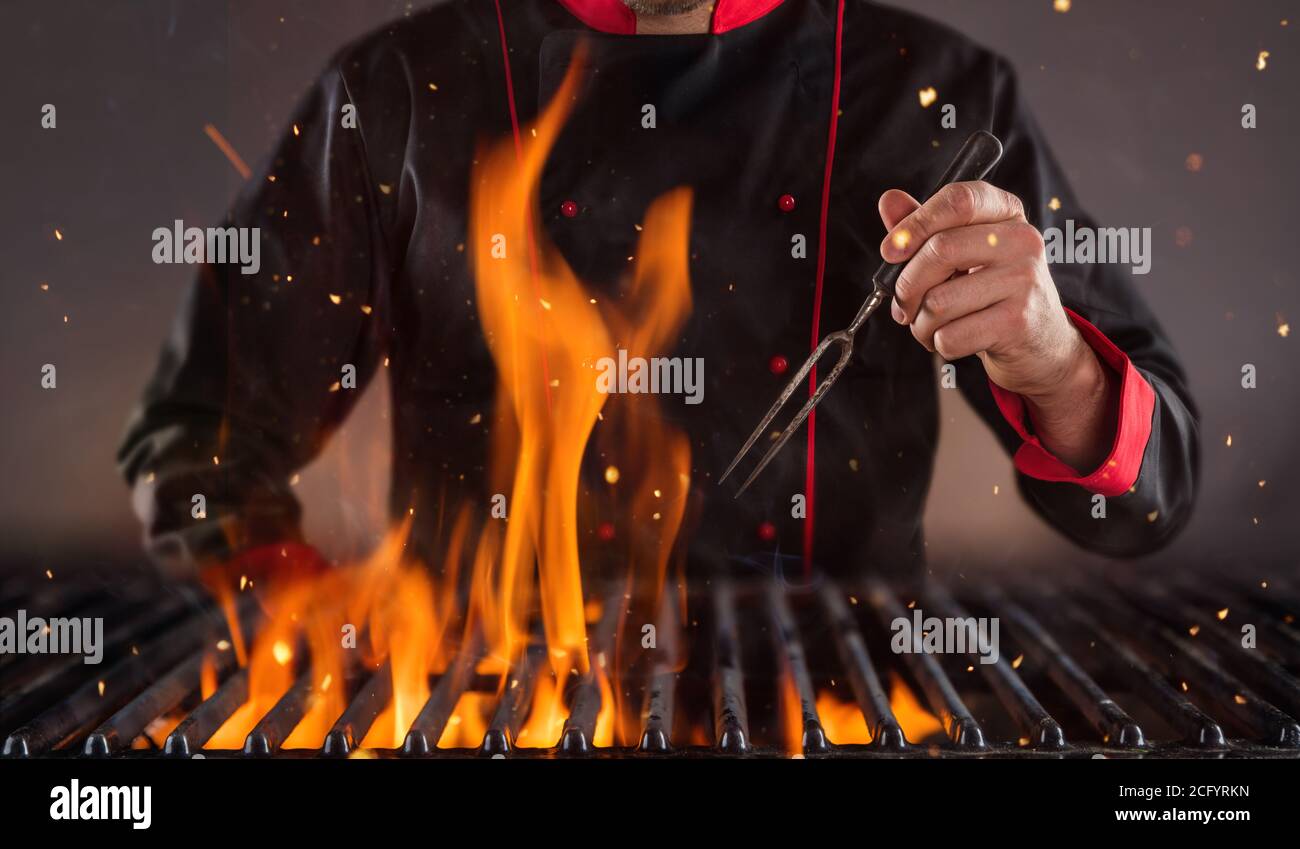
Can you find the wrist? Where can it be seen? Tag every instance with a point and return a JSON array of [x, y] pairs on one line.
[[1074, 419], [1081, 378]]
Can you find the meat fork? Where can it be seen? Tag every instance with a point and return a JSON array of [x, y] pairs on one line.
[[975, 159]]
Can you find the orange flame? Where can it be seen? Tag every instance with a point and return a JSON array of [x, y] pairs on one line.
[[842, 720], [915, 719], [546, 334]]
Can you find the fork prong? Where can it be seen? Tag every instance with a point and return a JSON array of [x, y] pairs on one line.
[[781, 401], [845, 341]]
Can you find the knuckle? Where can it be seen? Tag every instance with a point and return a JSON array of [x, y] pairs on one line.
[[1021, 316], [961, 200], [919, 333], [937, 302], [1014, 205], [939, 247], [944, 344], [1030, 237], [903, 288]]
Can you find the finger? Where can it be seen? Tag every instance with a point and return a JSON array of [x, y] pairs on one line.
[[961, 249], [895, 205], [959, 297], [955, 205], [974, 333]]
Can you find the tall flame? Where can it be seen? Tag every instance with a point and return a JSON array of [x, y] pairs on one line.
[[546, 334]]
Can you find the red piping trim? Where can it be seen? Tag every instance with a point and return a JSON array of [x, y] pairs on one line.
[[1137, 403], [810, 474], [528, 213]]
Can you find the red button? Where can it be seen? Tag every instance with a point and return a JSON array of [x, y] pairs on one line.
[[569, 209], [605, 531], [778, 364], [767, 532], [786, 202]]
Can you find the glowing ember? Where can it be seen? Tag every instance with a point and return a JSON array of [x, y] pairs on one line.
[[282, 653], [229, 152]]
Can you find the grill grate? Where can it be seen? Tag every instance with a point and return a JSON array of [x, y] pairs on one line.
[[1106, 669]]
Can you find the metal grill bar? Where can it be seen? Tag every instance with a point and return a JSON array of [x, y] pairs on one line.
[[580, 726], [657, 716], [1174, 651], [429, 724], [962, 728], [95, 700], [886, 733], [789, 649], [1253, 667], [43, 684], [1040, 730], [730, 714], [1197, 729], [1116, 727], [160, 698], [370, 701], [509, 717], [1181, 658], [196, 729], [272, 730]]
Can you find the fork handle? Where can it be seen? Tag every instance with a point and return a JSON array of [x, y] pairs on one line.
[[975, 160]]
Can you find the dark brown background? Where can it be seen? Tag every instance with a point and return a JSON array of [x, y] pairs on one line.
[[1126, 91]]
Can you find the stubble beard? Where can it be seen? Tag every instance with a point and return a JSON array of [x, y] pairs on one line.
[[654, 8]]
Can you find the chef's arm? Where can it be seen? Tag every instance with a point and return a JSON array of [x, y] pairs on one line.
[[260, 368], [1114, 468]]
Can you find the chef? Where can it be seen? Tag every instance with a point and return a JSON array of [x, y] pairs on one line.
[[808, 131]]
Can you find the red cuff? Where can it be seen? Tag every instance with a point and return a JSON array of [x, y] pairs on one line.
[[1137, 403], [287, 561]]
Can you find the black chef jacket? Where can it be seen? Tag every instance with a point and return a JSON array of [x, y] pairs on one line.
[[375, 217]]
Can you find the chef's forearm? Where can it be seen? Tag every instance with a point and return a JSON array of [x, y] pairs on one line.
[[1076, 422]]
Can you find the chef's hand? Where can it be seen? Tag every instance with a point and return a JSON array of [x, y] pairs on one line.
[[271, 571], [977, 282]]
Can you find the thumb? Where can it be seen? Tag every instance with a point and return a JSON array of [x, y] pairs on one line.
[[894, 206]]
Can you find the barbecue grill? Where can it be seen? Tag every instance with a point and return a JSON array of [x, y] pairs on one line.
[[1201, 667]]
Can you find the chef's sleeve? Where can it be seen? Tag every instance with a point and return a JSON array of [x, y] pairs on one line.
[[1142, 493], [264, 363]]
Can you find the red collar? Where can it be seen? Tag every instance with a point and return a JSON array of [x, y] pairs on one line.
[[613, 17]]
